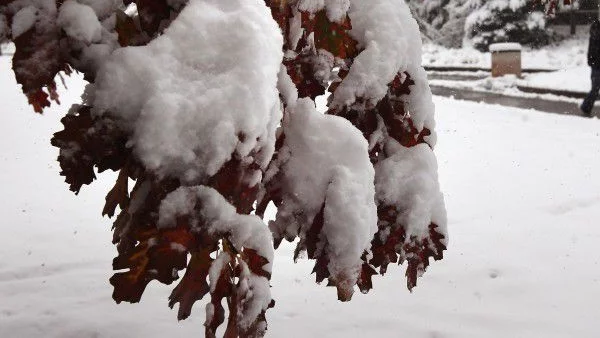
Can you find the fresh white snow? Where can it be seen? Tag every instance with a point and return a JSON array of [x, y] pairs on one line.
[[324, 163], [79, 22], [231, 53], [575, 79], [23, 20], [523, 196], [505, 47], [572, 52]]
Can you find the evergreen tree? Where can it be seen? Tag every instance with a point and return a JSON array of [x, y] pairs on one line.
[[521, 21]]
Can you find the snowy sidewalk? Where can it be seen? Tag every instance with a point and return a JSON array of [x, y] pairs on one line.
[[550, 106], [558, 92]]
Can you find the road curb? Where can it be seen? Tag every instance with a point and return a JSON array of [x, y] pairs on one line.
[[559, 92], [479, 69]]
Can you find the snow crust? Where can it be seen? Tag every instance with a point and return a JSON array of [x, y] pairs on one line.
[[325, 161], [230, 53]]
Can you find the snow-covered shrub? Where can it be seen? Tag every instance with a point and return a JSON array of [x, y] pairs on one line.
[[208, 107], [443, 21], [521, 21]]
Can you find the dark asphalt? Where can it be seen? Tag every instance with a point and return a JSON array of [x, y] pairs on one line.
[[557, 107]]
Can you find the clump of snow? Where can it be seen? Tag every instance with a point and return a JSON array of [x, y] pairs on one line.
[[257, 298], [384, 53], [23, 21], [391, 41], [94, 55], [216, 267], [286, 87], [336, 9], [102, 8], [296, 29], [391, 45], [231, 54], [244, 231], [79, 22], [206, 204], [324, 160], [412, 172]]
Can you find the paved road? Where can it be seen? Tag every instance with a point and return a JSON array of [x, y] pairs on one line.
[[557, 107]]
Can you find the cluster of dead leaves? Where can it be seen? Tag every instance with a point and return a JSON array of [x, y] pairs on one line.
[[321, 34], [90, 144]]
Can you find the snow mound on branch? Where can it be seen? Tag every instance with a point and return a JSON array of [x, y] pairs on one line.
[[203, 91], [23, 21], [336, 9], [244, 231], [79, 22], [103, 8], [220, 216], [326, 161], [392, 44], [408, 180]]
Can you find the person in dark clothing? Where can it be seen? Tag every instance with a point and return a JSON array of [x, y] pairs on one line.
[[594, 63]]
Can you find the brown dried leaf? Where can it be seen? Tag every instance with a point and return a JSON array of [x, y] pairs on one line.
[[36, 62], [158, 256], [255, 263], [193, 286], [365, 279], [223, 290], [89, 142], [118, 195]]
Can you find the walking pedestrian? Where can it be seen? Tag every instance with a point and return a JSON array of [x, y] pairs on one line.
[[594, 63]]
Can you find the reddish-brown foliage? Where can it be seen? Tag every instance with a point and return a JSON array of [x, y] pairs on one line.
[[90, 143]]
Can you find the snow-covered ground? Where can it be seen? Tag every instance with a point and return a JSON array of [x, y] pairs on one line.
[[575, 79], [569, 53], [523, 198], [508, 85], [567, 58]]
